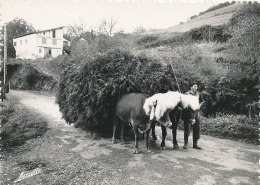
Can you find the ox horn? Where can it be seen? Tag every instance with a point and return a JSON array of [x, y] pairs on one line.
[[155, 103], [202, 103]]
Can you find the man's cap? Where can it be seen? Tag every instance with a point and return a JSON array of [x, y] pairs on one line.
[[194, 83]]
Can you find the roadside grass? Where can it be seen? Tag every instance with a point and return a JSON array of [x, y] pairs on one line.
[[19, 125], [234, 127]]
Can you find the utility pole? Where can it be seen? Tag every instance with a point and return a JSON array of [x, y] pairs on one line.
[[3, 43], [5, 55]]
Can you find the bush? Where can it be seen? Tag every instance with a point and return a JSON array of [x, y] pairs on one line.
[[235, 92], [146, 39], [18, 125], [236, 127], [210, 33]]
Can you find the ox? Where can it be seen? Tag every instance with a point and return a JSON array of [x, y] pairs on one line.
[[186, 109], [141, 110]]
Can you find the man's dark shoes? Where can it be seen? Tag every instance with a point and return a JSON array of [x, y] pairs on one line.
[[175, 146], [185, 144], [195, 145]]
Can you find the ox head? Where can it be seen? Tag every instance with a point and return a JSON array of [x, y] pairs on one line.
[[157, 112], [195, 113], [191, 103]]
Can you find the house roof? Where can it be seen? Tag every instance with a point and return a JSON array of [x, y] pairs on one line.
[[65, 40], [37, 32]]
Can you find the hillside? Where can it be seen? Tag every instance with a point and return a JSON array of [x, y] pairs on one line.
[[214, 18]]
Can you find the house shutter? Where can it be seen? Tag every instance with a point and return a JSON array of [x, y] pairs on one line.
[[44, 40]]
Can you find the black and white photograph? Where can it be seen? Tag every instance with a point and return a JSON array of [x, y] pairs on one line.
[[129, 92]]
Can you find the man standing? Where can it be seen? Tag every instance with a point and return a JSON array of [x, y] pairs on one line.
[[187, 122]]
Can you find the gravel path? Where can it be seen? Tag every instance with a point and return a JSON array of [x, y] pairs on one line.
[[66, 155]]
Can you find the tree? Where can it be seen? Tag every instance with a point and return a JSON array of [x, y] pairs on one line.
[[139, 30], [75, 32], [15, 28], [107, 27]]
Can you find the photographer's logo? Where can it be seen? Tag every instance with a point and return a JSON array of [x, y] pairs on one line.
[[25, 175]]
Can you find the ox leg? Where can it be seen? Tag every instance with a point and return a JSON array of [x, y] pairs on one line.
[[146, 140], [174, 136], [153, 131], [114, 130], [122, 132], [174, 129], [164, 133], [186, 133], [135, 151]]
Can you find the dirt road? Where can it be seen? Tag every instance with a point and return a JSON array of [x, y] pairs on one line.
[[66, 155]]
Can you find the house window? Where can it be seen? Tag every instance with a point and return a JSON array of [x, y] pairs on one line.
[[43, 33], [54, 42], [14, 43], [25, 41], [21, 42], [44, 40], [49, 52], [40, 50], [53, 34]]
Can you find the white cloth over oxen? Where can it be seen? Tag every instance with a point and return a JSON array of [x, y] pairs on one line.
[[157, 105], [163, 105]]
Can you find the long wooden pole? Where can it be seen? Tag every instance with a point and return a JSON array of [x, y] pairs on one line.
[[1, 45], [175, 77]]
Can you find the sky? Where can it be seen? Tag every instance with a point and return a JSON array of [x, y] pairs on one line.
[[129, 14]]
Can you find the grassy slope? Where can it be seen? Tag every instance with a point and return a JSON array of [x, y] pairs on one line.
[[214, 18], [207, 50]]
